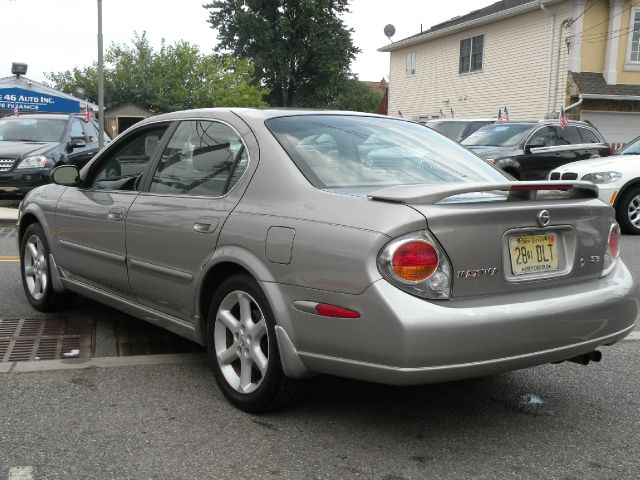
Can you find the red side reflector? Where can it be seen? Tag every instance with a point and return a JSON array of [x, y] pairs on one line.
[[335, 312], [542, 187]]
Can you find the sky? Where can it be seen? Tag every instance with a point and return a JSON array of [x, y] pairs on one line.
[[53, 36]]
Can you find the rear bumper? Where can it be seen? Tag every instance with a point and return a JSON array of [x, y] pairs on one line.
[[403, 340]]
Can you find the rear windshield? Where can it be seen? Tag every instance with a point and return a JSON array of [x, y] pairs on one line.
[[345, 151], [452, 130], [31, 130], [499, 135]]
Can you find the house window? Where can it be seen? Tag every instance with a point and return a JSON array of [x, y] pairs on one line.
[[471, 50], [634, 52], [411, 63]]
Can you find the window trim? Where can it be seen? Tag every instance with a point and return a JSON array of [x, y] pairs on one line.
[[145, 184], [471, 71], [413, 56], [631, 65]]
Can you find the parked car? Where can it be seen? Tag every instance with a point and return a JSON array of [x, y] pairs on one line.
[[299, 242], [530, 150], [31, 145], [457, 129], [618, 180]]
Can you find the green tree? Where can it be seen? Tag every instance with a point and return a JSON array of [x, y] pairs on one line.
[[299, 47], [175, 77]]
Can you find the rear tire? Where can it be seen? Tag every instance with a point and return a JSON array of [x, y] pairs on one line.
[[628, 211], [243, 350], [36, 272]]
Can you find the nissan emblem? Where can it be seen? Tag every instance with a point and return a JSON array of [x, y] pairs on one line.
[[543, 218]]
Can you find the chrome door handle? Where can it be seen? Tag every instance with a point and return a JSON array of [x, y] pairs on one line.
[[206, 225], [116, 214]]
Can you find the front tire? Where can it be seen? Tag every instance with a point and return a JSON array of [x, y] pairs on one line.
[[36, 273], [243, 350], [628, 211]]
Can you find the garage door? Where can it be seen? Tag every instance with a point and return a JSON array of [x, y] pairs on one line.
[[616, 127]]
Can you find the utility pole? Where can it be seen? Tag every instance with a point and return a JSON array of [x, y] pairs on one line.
[[100, 79]]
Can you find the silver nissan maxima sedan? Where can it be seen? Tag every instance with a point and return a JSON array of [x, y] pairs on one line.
[[297, 242]]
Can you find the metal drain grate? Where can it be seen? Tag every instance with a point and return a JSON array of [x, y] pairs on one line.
[[135, 337], [46, 338], [7, 232]]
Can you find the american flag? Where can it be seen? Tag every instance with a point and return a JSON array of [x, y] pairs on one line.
[[440, 114], [16, 111], [564, 121], [452, 115], [503, 115], [400, 114], [87, 113]]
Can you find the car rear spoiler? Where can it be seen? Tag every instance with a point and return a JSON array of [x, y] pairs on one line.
[[432, 194]]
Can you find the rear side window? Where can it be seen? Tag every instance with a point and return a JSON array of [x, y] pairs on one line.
[[345, 151], [567, 136], [202, 158], [588, 136]]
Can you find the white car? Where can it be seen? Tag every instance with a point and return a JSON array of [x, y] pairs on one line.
[[618, 180]]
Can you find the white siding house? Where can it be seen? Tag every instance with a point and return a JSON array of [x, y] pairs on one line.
[[512, 53]]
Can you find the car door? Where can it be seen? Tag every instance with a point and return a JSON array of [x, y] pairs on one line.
[[592, 145], [90, 223], [173, 226], [535, 162], [91, 135]]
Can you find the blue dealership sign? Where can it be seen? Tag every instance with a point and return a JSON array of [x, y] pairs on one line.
[[31, 101]]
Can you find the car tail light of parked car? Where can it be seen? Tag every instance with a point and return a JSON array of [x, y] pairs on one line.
[[613, 249], [417, 264]]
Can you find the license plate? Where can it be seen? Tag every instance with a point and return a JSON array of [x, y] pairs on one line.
[[531, 254]]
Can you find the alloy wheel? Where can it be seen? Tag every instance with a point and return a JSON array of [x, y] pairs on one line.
[[634, 211], [35, 267], [241, 341]]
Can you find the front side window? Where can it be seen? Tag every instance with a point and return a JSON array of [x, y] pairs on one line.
[[411, 63], [121, 167], [471, 54], [90, 132], [634, 51], [31, 130], [373, 152], [202, 158]]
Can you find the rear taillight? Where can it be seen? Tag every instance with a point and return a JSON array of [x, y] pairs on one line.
[[415, 261], [614, 241], [612, 252], [417, 264]]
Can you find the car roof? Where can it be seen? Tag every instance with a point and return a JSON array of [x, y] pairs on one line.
[[461, 120]]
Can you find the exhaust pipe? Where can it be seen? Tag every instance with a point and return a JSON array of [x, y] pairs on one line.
[[594, 356]]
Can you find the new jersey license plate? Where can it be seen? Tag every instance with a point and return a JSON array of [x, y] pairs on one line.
[[531, 254]]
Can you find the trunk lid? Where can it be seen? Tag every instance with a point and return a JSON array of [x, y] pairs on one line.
[[480, 227]]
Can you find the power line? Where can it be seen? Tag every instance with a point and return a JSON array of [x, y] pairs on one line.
[[607, 20], [583, 12]]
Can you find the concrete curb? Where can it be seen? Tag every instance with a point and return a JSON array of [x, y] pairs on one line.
[[101, 362]]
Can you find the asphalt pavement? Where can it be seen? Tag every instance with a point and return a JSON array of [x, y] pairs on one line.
[[170, 421]]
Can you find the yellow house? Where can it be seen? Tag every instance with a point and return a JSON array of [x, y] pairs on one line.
[[533, 56]]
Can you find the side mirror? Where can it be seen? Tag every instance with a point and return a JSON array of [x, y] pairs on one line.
[[77, 143], [66, 175], [535, 143]]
